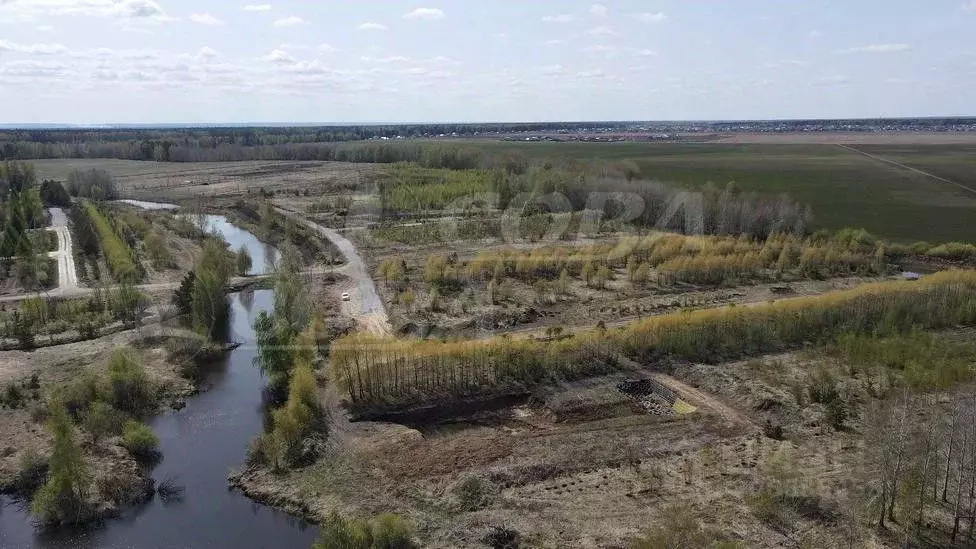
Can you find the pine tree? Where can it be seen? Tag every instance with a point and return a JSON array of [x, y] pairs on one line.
[[62, 498]]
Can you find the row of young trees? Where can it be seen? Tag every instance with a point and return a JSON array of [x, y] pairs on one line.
[[119, 255], [377, 371]]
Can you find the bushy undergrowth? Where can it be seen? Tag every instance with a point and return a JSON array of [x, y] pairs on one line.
[[139, 440], [387, 531]]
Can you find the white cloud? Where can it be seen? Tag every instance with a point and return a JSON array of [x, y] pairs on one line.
[[144, 10], [648, 17], [257, 7], [834, 80], [603, 30], [207, 53], [817, 34], [34, 68], [600, 48], [32, 49], [645, 53], [386, 60], [553, 70], [279, 57], [371, 26], [598, 10], [291, 21], [425, 13], [561, 18], [44, 28], [205, 19], [878, 48], [553, 42], [326, 48], [591, 74], [970, 5]]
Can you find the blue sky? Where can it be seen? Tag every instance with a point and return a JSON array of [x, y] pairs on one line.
[[135, 61]]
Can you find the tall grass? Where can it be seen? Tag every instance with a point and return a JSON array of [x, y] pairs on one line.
[[384, 372]]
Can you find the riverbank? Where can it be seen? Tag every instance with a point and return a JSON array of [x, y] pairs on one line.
[[210, 407], [167, 354]]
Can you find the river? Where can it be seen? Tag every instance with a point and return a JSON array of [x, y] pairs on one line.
[[200, 444]]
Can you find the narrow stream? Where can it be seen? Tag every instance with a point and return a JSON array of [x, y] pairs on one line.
[[200, 444]]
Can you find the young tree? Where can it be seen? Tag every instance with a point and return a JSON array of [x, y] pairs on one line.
[[183, 296], [589, 273], [62, 499]]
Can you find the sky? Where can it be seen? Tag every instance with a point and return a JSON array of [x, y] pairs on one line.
[[344, 61]]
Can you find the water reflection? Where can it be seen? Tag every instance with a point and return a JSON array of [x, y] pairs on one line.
[[200, 444]]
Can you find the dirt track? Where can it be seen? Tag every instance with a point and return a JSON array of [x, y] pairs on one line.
[[365, 304], [909, 168]]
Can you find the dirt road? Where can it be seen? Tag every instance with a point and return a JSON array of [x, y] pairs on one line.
[[365, 304], [78, 291], [909, 168], [67, 278], [699, 399]]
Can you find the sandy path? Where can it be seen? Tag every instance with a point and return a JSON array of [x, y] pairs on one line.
[[67, 278], [365, 304]]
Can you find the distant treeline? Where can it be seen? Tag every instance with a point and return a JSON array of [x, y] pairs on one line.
[[209, 149], [216, 144]]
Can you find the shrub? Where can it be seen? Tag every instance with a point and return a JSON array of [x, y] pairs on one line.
[[101, 420], [139, 439], [391, 532], [836, 413], [128, 386], [78, 395], [158, 251], [679, 528], [471, 493], [954, 251], [12, 396], [31, 471], [387, 531], [823, 387], [500, 537]]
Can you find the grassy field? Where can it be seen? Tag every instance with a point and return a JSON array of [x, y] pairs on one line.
[[844, 188]]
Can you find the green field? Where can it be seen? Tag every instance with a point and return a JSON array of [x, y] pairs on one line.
[[844, 188]]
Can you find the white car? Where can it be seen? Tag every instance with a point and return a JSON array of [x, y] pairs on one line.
[[345, 296]]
